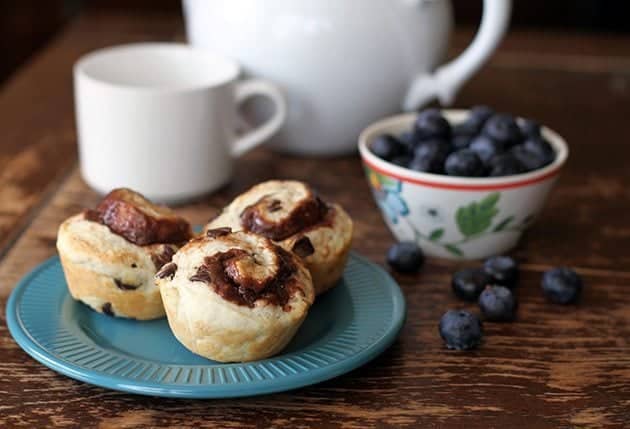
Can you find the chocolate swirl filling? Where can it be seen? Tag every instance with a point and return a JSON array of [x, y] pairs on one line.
[[134, 218], [259, 217], [228, 274]]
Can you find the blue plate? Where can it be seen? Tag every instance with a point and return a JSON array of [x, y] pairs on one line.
[[347, 327]]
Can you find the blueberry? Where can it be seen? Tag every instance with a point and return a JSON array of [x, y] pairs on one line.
[[469, 282], [473, 124], [461, 141], [470, 127], [541, 148], [405, 257], [431, 124], [505, 165], [432, 147], [486, 148], [460, 330], [402, 160], [429, 156], [528, 159], [502, 127], [530, 128], [481, 113], [406, 138], [562, 285], [426, 165], [497, 304], [387, 147], [465, 163], [503, 271]]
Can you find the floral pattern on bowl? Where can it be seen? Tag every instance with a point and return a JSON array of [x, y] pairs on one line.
[[456, 217], [474, 220]]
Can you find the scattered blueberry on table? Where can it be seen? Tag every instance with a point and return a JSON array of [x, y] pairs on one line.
[[461, 330], [503, 271], [486, 144], [405, 257], [468, 283], [497, 304], [492, 285], [562, 285]]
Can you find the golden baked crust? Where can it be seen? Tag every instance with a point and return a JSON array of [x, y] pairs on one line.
[[107, 270], [100, 292], [248, 310], [104, 269], [289, 213]]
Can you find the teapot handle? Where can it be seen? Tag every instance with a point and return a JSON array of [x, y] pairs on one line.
[[444, 83]]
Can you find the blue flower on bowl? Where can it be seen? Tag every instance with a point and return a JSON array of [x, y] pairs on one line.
[[387, 194]]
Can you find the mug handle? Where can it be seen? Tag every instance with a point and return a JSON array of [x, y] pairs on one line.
[[252, 138], [444, 83]]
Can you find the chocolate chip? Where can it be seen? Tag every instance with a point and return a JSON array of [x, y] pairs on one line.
[[134, 266], [162, 258], [125, 286], [275, 205], [107, 309], [167, 270], [92, 216], [303, 247], [218, 232], [202, 275]]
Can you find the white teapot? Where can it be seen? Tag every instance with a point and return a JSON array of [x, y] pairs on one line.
[[344, 63]]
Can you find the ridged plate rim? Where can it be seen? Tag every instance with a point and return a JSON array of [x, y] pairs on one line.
[[379, 341]]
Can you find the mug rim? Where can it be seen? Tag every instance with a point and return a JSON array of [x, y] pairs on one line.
[[453, 182], [80, 68]]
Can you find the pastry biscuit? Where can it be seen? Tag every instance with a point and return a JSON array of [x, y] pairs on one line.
[[110, 255], [235, 296], [293, 216]]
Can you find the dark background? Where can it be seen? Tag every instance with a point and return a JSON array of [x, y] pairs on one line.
[[26, 25]]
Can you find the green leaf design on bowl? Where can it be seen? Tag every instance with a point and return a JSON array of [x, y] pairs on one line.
[[454, 249], [476, 217], [503, 224], [436, 234], [474, 220]]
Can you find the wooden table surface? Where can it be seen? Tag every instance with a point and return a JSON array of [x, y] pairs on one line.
[[556, 367]]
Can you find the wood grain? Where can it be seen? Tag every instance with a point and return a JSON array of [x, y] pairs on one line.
[[556, 367], [38, 144]]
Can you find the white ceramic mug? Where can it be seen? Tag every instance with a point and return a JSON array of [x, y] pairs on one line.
[[161, 118]]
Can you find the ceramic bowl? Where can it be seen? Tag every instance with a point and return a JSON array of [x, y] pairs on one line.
[[456, 217]]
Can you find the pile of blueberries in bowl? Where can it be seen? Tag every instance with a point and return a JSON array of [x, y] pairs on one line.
[[487, 144]]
